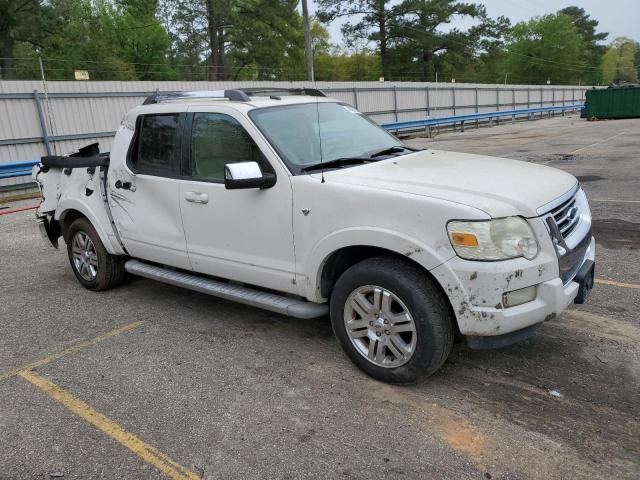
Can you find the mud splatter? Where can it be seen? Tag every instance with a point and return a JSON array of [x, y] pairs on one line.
[[464, 437]]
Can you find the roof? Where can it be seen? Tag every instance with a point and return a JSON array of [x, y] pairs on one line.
[[242, 100]]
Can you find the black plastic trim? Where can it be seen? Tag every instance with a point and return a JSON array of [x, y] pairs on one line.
[[311, 92], [267, 180], [585, 280], [57, 161], [235, 95], [477, 342]]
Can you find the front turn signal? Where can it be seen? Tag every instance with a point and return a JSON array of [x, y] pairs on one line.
[[460, 239]]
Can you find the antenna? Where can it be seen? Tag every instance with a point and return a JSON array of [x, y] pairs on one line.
[[319, 137]]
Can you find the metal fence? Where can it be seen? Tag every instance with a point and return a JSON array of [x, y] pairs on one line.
[[72, 114]]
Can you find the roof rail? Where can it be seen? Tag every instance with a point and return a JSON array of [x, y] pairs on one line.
[[312, 92], [234, 95]]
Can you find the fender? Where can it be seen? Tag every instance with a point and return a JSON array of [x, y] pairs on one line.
[[427, 256], [105, 235]]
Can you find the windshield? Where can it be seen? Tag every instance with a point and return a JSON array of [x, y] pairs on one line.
[[343, 132]]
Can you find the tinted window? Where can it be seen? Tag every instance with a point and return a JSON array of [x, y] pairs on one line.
[[216, 140], [155, 151]]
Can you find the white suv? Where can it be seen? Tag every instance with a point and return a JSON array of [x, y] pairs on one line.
[[297, 203]]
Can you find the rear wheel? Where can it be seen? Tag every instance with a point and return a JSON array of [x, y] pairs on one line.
[[391, 320], [92, 265]]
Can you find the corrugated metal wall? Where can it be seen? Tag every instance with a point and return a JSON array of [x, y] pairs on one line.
[[78, 113]]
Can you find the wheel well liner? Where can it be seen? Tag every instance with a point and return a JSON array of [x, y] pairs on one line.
[[66, 219]]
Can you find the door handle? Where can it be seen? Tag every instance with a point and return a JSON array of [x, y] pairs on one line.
[[196, 197]]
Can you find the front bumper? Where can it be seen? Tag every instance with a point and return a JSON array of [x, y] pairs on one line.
[[475, 290]]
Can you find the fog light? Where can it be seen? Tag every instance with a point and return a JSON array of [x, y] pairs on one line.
[[518, 297]]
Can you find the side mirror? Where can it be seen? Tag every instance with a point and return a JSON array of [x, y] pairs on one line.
[[247, 175]]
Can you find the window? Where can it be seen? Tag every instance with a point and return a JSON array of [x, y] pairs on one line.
[[308, 133], [155, 145], [218, 139]]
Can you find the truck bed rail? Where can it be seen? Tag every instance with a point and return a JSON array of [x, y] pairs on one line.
[[56, 161]]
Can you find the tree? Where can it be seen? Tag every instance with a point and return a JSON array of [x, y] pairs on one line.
[[409, 35], [220, 16], [618, 63], [372, 21], [267, 41], [544, 48], [247, 39], [423, 47], [21, 21], [320, 38], [198, 28], [141, 40], [112, 40], [337, 65], [185, 23], [594, 50], [636, 61]]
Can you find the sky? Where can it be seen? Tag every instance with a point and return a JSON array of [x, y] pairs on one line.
[[618, 17]]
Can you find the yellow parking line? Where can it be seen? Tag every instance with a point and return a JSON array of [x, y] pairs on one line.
[[147, 452], [72, 349], [617, 284]]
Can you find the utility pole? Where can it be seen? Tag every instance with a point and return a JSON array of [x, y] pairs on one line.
[[307, 41]]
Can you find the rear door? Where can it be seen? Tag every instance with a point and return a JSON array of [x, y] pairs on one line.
[[145, 194], [244, 235]]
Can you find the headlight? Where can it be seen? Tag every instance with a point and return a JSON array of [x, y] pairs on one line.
[[498, 239]]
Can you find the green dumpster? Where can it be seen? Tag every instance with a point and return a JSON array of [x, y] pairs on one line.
[[622, 102]]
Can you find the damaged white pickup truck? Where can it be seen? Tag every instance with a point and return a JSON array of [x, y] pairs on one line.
[[297, 203]]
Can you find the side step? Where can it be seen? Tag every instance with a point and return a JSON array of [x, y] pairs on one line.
[[256, 298]]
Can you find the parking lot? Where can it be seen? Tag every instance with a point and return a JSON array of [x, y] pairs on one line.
[[152, 381]]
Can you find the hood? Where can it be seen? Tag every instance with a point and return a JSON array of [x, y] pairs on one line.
[[500, 187]]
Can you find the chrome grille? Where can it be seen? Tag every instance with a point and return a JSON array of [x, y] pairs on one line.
[[569, 224], [567, 216]]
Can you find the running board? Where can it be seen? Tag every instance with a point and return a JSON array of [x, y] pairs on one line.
[[256, 298]]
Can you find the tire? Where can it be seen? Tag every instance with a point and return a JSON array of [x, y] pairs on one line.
[[400, 288], [92, 265]]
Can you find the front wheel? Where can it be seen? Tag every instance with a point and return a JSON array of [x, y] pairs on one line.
[[92, 265], [391, 320]]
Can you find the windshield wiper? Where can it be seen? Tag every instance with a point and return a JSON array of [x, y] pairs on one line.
[[338, 162], [391, 150], [345, 161]]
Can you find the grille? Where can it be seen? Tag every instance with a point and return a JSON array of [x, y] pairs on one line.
[[572, 236], [567, 216]]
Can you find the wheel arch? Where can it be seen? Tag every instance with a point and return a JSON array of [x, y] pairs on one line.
[[342, 259], [70, 210], [363, 242]]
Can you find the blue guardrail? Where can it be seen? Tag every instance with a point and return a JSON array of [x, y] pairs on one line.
[[17, 169], [21, 169], [461, 119]]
